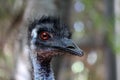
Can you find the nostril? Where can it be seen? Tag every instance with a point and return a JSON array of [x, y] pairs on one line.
[[70, 47]]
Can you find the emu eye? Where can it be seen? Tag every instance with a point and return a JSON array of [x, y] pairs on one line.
[[44, 35]]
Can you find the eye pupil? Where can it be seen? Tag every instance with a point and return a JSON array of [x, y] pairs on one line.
[[44, 36]]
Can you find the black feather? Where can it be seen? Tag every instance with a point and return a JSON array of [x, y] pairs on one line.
[[59, 28]]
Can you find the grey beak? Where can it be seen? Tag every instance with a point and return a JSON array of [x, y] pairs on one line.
[[74, 49], [69, 46]]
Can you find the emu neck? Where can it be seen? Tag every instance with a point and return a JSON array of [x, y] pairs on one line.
[[41, 69]]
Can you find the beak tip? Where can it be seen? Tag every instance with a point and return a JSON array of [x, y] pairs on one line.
[[78, 53], [81, 53]]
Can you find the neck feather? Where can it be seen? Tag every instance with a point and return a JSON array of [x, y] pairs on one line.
[[41, 68]]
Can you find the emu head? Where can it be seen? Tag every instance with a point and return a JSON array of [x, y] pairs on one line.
[[49, 37]]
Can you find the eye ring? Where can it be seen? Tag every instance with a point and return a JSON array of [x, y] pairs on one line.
[[44, 35]]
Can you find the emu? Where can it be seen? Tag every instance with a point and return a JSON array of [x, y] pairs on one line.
[[48, 37]]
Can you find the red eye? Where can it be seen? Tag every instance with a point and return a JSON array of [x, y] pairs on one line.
[[44, 35]]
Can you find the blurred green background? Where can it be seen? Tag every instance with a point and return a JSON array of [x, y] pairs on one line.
[[96, 29]]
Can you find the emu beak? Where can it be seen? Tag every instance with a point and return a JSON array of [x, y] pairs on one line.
[[69, 46]]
